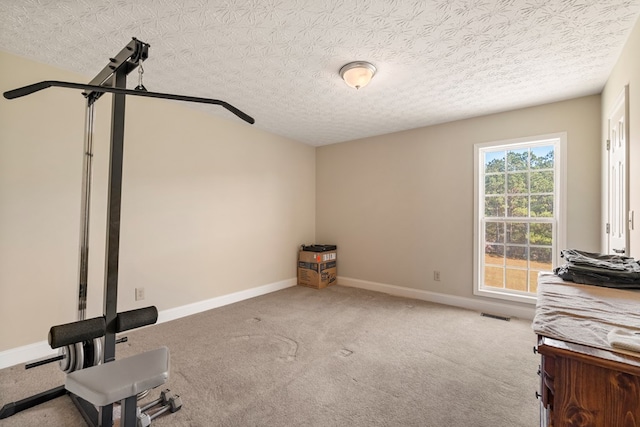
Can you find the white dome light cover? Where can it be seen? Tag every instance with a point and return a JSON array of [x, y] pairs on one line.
[[357, 74]]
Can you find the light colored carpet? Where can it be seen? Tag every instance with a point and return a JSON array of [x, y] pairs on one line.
[[333, 357]]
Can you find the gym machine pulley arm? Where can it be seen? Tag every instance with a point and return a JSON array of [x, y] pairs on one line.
[[32, 88]]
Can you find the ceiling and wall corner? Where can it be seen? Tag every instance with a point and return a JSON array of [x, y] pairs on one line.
[[279, 60]]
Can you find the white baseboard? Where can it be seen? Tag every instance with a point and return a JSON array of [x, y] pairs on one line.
[[26, 353], [200, 306], [38, 350], [491, 307]]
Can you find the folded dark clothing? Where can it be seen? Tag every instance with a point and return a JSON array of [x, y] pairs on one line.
[[614, 271], [594, 279], [618, 275]]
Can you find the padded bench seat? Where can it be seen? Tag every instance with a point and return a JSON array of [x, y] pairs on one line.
[[111, 382]]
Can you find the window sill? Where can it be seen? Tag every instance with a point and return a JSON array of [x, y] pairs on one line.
[[501, 294]]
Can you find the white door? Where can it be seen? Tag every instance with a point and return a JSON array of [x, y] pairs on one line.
[[617, 178]]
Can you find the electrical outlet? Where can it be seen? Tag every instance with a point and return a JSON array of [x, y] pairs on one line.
[[436, 275], [139, 294]]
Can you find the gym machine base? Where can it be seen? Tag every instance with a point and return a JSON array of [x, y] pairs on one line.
[[78, 341], [121, 381], [112, 79]]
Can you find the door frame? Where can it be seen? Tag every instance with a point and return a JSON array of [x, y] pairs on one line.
[[621, 100]]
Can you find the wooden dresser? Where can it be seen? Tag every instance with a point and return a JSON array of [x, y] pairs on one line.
[[587, 387], [584, 381]]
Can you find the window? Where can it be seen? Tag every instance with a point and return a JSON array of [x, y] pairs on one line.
[[519, 203]]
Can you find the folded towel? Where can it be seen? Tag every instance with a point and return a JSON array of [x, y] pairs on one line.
[[625, 339]]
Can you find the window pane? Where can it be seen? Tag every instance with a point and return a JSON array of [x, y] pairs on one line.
[[541, 258], [516, 279], [541, 206], [517, 206], [542, 182], [542, 157], [494, 254], [494, 184], [517, 183], [516, 232], [518, 160], [494, 206], [494, 277], [494, 232], [533, 281], [494, 161], [540, 234], [516, 256]]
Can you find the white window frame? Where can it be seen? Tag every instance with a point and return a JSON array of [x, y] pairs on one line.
[[560, 208]]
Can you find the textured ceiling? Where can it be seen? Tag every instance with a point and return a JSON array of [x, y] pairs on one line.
[[278, 60]]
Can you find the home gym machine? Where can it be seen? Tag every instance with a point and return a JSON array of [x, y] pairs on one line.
[[95, 378]]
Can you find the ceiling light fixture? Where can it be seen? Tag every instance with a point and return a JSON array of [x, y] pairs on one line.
[[357, 74]]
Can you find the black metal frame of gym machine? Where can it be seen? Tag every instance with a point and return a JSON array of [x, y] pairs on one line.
[[112, 79]]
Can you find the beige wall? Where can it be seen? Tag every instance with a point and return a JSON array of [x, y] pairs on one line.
[[626, 72], [400, 206], [210, 206]]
